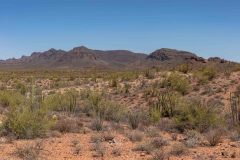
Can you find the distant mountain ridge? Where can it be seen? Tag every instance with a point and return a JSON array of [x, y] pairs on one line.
[[83, 57]]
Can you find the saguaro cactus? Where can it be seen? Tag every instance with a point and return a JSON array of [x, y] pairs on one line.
[[235, 107]]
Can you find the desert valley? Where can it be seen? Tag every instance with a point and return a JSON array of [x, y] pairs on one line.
[[86, 104]]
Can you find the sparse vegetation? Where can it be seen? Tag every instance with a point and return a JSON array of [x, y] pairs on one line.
[[214, 136], [154, 113], [179, 150], [136, 136], [29, 152], [158, 142], [134, 119]]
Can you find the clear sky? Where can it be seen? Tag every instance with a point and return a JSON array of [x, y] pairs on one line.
[[206, 27]]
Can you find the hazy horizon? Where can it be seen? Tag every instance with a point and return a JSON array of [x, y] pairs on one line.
[[207, 28]]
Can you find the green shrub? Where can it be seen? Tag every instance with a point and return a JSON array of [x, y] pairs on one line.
[[25, 122], [206, 74], [114, 111], [93, 103], [97, 105], [62, 102], [10, 98], [197, 115], [184, 68], [165, 106], [21, 88], [29, 119], [154, 114], [177, 82]]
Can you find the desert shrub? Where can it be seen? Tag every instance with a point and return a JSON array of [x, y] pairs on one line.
[[214, 136], [234, 136], [114, 83], [62, 102], [193, 138], [197, 115], [154, 114], [143, 147], [177, 82], [151, 91], [10, 98], [136, 136], [237, 91], [160, 155], [184, 68], [24, 122], [29, 152], [158, 142], [152, 132], [21, 88], [126, 88], [95, 138], [117, 152], [166, 124], [29, 119], [108, 136], [76, 147], [93, 104], [134, 119], [97, 105], [114, 111], [206, 74], [178, 150], [99, 149], [164, 106], [67, 124], [149, 74], [97, 124]]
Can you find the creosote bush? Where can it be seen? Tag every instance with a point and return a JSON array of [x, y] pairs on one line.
[[184, 68], [10, 98], [29, 119], [62, 102], [177, 82], [197, 115], [206, 74], [97, 105]]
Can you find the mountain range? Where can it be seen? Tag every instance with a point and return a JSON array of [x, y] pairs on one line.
[[83, 57]]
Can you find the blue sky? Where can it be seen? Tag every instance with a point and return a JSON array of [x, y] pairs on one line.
[[206, 27]]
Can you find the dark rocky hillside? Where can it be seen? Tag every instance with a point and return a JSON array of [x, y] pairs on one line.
[[83, 57]]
